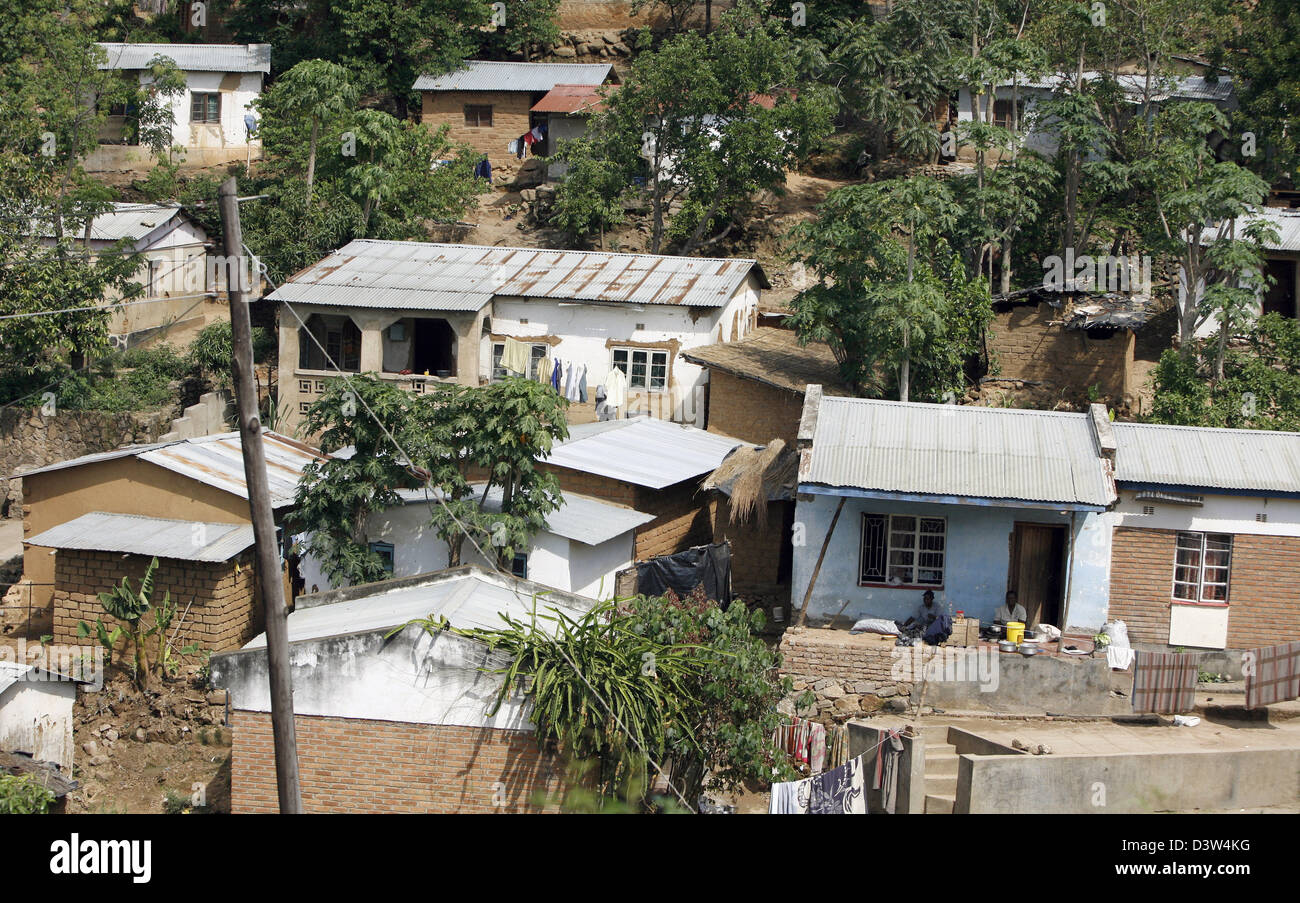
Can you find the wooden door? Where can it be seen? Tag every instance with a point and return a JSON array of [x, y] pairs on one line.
[[1037, 567]]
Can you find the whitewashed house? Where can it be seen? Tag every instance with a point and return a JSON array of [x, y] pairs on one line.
[[420, 312], [175, 267], [1281, 263], [36, 713], [585, 543], [210, 117], [1016, 104]]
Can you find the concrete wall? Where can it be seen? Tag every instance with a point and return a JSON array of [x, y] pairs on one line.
[[865, 740], [1132, 782], [299, 387], [587, 334], [552, 560], [976, 564], [36, 718]]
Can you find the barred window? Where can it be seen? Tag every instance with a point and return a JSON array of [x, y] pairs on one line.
[[1201, 565], [903, 550], [644, 369]]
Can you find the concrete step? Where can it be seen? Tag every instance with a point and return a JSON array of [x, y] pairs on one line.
[[940, 766], [940, 804], [942, 784]]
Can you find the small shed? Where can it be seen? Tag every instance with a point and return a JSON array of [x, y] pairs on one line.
[[36, 713], [488, 104]]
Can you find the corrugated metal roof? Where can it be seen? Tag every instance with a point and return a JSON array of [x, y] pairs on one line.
[[433, 276], [125, 221], [137, 535], [216, 460], [191, 57], [487, 75], [950, 450], [12, 672], [219, 461], [643, 450], [1189, 87], [1285, 220], [1207, 458], [468, 597], [583, 99], [582, 518]]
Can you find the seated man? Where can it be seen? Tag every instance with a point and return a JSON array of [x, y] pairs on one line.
[[926, 612], [1011, 611]]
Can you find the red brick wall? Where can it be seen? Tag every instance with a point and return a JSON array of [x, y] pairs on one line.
[[509, 120], [225, 614], [1263, 587], [753, 411], [1027, 347], [357, 765]]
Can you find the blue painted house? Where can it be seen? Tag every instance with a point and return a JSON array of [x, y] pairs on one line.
[[896, 498]]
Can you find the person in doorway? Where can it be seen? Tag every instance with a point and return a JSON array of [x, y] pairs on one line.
[[1011, 611]]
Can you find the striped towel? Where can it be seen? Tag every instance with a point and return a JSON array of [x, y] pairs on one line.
[[1273, 675], [1165, 682]]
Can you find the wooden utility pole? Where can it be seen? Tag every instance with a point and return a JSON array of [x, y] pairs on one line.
[[259, 504]]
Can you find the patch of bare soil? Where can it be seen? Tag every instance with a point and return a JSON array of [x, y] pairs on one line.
[[162, 750]]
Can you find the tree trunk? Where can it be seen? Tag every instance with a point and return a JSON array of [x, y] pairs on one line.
[[905, 367], [311, 156]]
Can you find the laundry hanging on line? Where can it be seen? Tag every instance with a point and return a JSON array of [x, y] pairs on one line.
[[515, 356], [1273, 675], [1165, 682]]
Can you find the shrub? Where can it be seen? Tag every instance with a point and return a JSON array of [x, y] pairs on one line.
[[22, 795]]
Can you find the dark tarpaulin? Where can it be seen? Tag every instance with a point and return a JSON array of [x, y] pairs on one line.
[[707, 566]]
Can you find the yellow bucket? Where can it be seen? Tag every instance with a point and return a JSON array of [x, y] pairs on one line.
[[1015, 631]]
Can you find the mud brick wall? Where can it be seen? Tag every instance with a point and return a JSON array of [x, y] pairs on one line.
[[683, 514], [358, 765], [226, 612], [1027, 348], [509, 120], [1263, 587], [751, 410], [755, 551]]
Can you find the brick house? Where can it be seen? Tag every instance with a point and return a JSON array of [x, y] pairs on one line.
[[401, 723], [757, 383], [208, 569], [489, 104], [1053, 345], [650, 466], [1206, 546], [199, 481]]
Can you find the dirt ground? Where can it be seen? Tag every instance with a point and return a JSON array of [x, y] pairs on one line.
[[163, 751]]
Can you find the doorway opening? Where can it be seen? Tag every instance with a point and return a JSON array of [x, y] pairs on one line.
[[1037, 573]]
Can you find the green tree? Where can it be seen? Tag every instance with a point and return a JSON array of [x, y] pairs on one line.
[[707, 123], [886, 280], [311, 95], [336, 496], [1259, 387]]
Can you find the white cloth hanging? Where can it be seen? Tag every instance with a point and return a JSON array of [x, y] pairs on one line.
[[573, 389], [616, 389]]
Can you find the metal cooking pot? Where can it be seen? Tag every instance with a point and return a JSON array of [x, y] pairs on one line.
[[1028, 650], [1006, 646]]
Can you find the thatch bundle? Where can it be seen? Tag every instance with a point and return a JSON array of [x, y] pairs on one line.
[[752, 477]]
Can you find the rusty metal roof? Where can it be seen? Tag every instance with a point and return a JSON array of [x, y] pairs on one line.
[[216, 460], [219, 461], [134, 534], [582, 99], [434, 276], [490, 75], [191, 57], [956, 451]]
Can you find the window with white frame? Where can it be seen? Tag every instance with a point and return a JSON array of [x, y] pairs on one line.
[[902, 550], [535, 357], [1201, 565], [645, 368]]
